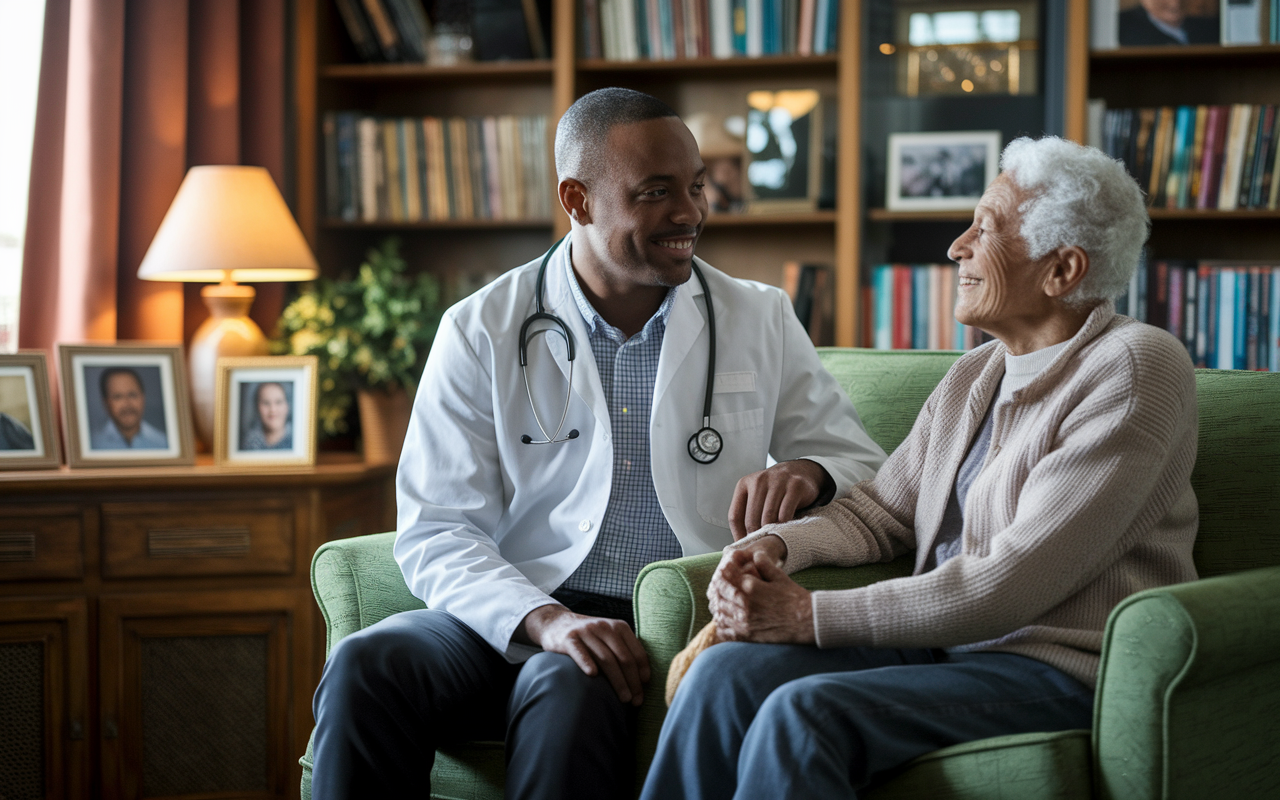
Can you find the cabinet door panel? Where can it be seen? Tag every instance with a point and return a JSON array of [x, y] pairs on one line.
[[195, 694], [43, 688], [43, 544]]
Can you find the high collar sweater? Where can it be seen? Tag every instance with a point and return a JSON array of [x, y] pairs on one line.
[[1084, 498]]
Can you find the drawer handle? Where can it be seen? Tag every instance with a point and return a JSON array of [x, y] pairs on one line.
[[198, 542], [17, 547]]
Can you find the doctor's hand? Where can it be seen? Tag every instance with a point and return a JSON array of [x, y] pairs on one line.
[[775, 494], [596, 644], [753, 600]]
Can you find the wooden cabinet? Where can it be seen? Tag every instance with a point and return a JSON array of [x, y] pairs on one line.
[[158, 636]]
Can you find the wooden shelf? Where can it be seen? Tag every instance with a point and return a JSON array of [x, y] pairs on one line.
[[752, 220], [441, 225], [489, 71], [1200, 52], [763, 66], [885, 215], [1207, 215]]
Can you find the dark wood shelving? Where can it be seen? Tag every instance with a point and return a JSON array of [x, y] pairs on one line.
[[513, 71], [1203, 52], [765, 66], [439, 224], [1204, 214], [885, 215], [752, 220]]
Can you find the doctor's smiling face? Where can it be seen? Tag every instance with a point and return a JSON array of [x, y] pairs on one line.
[[639, 218]]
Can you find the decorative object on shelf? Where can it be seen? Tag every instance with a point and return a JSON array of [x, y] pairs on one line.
[[1146, 23], [371, 331], [384, 421], [722, 152], [28, 435], [934, 171], [450, 45], [954, 50], [226, 224], [436, 168], [125, 405], [784, 138], [266, 411]]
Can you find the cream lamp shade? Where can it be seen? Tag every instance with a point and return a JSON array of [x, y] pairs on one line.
[[226, 224]]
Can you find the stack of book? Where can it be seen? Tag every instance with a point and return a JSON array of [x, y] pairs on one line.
[[1210, 157], [659, 30], [396, 169], [912, 307], [1227, 314]]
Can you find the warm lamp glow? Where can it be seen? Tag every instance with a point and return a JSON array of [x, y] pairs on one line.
[[228, 223]]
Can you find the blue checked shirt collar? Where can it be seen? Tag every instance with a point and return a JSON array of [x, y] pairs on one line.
[[595, 323]]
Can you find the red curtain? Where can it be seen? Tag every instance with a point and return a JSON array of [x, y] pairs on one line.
[[133, 93]]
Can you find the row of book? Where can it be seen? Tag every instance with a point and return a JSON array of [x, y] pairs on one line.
[[1211, 157], [660, 30], [811, 288], [912, 306], [402, 169], [399, 31], [1226, 314]]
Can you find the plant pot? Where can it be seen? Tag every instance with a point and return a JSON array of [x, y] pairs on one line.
[[384, 421]]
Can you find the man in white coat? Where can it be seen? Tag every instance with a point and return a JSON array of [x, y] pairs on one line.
[[526, 551]]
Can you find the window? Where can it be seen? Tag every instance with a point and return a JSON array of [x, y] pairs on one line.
[[21, 36]]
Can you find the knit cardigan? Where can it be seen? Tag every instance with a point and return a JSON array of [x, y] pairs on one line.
[[1084, 498]]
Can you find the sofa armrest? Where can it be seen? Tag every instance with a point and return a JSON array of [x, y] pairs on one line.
[[1188, 699], [357, 582]]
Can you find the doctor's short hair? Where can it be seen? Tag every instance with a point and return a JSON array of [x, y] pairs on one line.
[[583, 128], [1079, 196]]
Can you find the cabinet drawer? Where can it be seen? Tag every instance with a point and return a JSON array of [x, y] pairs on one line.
[[231, 536], [41, 546]]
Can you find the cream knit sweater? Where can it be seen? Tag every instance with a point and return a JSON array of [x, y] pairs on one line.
[[1085, 497]]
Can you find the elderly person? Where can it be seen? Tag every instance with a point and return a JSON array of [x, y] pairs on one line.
[[1046, 478]]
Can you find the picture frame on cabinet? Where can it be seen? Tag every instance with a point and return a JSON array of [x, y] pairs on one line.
[[28, 435], [265, 411], [940, 171], [125, 405]]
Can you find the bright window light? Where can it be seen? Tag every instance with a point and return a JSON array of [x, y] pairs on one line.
[[963, 27]]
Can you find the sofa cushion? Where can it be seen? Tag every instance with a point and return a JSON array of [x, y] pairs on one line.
[[1028, 766]]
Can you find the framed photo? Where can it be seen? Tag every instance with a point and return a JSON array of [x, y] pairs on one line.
[[940, 171], [27, 436], [784, 136], [265, 411], [125, 405]]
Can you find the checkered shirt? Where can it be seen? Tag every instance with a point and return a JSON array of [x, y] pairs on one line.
[[634, 531]]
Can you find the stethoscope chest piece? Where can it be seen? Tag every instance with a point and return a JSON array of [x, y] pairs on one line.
[[705, 445]]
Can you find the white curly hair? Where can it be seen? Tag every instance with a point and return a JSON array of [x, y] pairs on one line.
[[1080, 196]]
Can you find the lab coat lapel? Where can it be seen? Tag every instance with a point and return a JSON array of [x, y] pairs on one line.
[[683, 328], [586, 378]]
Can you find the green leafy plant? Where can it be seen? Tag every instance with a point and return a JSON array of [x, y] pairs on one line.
[[371, 331]]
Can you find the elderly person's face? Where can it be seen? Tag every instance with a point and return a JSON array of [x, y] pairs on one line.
[[273, 408], [1000, 288], [1167, 11]]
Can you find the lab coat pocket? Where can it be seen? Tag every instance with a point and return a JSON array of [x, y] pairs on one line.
[[744, 452]]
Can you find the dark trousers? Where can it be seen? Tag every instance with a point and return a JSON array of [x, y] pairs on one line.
[[396, 691]]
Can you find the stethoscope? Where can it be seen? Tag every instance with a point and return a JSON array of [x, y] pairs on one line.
[[704, 446]]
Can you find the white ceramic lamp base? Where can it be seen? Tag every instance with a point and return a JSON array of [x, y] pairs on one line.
[[227, 332]]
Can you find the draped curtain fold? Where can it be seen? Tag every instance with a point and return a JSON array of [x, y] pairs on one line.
[[133, 93]]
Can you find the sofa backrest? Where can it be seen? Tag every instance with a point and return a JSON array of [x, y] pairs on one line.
[[1237, 473]]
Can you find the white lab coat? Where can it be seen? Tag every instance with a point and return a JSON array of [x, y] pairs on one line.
[[488, 526]]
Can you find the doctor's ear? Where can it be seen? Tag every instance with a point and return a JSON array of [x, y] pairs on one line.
[[573, 198]]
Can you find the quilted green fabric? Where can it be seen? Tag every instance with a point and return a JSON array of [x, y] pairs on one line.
[[1187, 703]]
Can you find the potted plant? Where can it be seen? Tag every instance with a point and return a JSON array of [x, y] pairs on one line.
[[371, 333]]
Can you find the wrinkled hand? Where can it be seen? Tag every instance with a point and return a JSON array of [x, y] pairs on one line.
[[596, 644], [774, 495], [753, 600]]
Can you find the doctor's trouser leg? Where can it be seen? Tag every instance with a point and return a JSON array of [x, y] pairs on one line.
[[792, 721], [394, 692]]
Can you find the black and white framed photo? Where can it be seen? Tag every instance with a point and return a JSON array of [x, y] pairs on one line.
[[940, 171], [125, 405], [28, 439], [265, 411], [784, 144]]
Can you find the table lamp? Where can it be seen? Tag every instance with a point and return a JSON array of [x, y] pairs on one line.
[[226, 224]]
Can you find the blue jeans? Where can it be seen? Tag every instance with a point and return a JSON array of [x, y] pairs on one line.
[[779, 721]]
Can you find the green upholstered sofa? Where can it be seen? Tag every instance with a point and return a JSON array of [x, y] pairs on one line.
[[1188, 702]]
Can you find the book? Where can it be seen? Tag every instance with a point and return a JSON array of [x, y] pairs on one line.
[[408, 136], [1237, 131], [359, 30], [384, 30], [1211, 161], [332, 183], [371, 175], [412, 28]]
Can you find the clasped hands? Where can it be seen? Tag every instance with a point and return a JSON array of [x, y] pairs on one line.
[[751, 597]]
